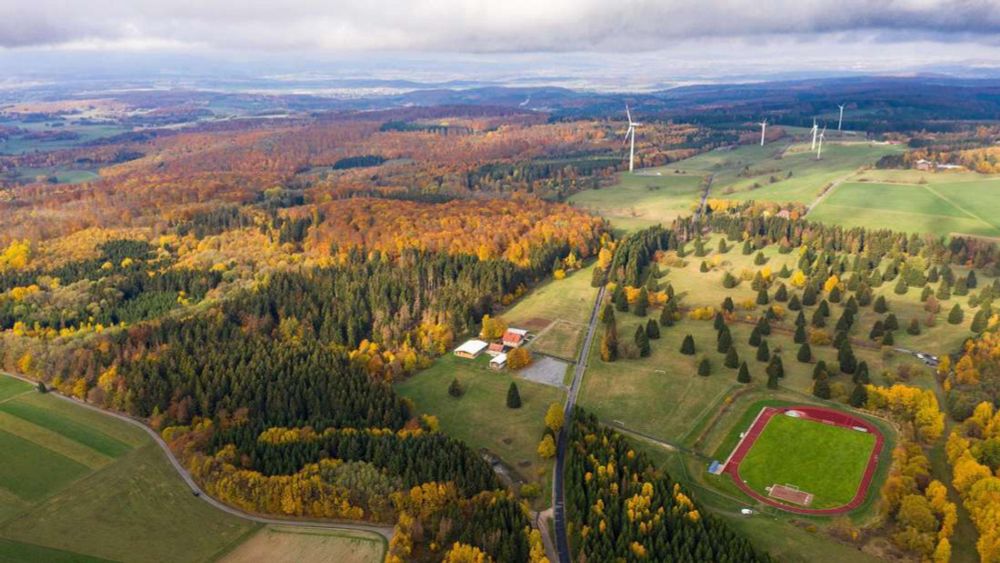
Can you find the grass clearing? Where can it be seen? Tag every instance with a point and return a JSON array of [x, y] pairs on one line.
[[480, 418], [53, 441], [561, 339], [826, 461], [10, 387], [278, 544], [653, 196]]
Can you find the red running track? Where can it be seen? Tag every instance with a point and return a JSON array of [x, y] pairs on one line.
[[820, 414]]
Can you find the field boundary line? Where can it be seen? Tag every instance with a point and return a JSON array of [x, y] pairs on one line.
[[12, 397], [959, 207]]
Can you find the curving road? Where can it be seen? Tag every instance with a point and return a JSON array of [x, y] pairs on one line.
[[384, 531], [558, 498]]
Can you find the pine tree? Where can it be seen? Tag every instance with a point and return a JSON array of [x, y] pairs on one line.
[[744, 374], [652, 330], [776, 367], [956, 316], [800, 319], [901, 287], [835, 294], [732, 360], [747, 249], [667, 314], [880, 305], [818, 319], [598, 277], [888, 339], [914, 327], [719, 321], [943, 292], [687, 347], [809, 296], [861, 375], [794, 303], [755, 337], [821, 387], [859, 397], [971, 281], [800, 335], [781, 294], [763, 352], [764, 326], [824, 308], [704, 267], [845, 355], [729, 281], [805, 353], [608, 314], [819, 369], [759, 259], [455, 389], [772, 380], [727, 304], [891, 322], [642, 341], [704, 367], [878, 329], [722, 246], [979, 321], [609, 343], [725, 342], [762, 298], [641, 303], [621, 302], [513, 396]]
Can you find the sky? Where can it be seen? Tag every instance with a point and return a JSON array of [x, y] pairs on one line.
[[629, 41]]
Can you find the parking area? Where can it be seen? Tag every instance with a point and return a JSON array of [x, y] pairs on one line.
[[545, 370]]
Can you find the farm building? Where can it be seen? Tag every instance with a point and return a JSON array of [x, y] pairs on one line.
[[514, 337], [470, 349], [496, 348], [499, 362]]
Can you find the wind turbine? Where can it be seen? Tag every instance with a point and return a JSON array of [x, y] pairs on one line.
[[819, 153], [763, 130], [840, 121], [815, 130], [630, 136]]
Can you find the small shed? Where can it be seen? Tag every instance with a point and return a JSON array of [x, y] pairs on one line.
[[496, 348], [470, 349], [498, 362]]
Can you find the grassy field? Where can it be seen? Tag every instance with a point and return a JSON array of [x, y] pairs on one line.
[[779, 171], [278, 544], [82, 486], [654, 196], [480, 417], [558, 312], [939, 203], [826, 461]]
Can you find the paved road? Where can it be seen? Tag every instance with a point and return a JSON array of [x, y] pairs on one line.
[[558, 498], [384, 531]]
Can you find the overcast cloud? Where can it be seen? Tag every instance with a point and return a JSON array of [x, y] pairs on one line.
[[479, 26]]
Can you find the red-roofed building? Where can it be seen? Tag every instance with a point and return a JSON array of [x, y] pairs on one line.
[[514, 337]]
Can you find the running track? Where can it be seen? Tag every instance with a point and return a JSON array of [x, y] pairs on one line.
[[820, 414]]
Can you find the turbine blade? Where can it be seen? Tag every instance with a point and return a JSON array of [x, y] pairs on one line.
[[629, 114]]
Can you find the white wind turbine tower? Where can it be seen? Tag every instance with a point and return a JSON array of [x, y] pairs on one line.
[[840, 121], [819, 153], [815, 130], [630, 136], [763, 130]]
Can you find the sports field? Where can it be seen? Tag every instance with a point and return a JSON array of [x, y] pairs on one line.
[[824, 460], [64, 465]]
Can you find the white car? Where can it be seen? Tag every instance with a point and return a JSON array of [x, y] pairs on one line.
[[746, 512]]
